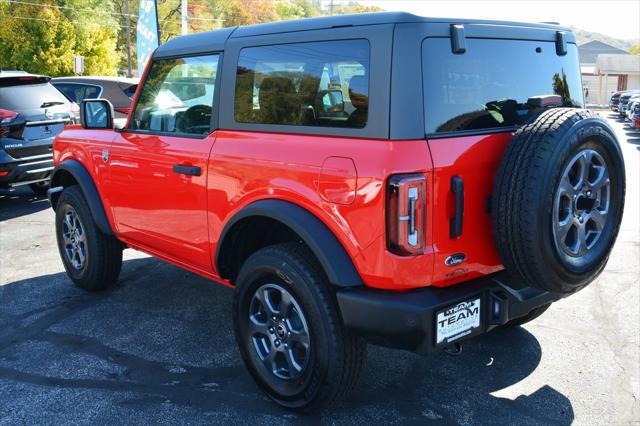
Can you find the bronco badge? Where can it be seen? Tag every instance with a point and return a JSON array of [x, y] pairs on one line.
[[455, 259]]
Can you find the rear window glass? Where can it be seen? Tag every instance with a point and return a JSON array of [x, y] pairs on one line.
[[77, 92], [30, 97], [495, 83], [304, 84]]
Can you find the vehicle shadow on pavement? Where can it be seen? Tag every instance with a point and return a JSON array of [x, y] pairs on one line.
[[160, 346], [20, 202]]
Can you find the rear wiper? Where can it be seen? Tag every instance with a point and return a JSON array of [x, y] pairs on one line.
[[50, 104]]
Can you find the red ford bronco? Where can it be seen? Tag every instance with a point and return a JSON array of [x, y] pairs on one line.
[[385, 178]]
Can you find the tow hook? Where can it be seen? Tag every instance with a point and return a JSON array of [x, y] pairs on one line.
[[453, 349]]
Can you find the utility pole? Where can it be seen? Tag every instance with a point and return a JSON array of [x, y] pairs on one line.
[[331, 8], [185, 27], [128, 18]]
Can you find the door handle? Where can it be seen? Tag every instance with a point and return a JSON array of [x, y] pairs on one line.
[[187, 170], [455, 224]]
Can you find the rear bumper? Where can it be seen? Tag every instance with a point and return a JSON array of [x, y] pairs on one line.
[[26, 170], [408, 320]]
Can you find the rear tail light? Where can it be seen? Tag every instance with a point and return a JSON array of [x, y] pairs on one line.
[[6, 116], [406, 210]]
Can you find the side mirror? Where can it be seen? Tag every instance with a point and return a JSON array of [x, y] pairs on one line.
[[96, 114]]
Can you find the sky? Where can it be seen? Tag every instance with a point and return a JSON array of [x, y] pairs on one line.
[[616, 18]]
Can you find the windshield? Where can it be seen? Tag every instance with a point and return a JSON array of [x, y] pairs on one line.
[[495, 83]]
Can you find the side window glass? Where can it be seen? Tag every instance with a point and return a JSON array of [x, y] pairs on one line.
[[78, 92], [304, 84], [177, 96]]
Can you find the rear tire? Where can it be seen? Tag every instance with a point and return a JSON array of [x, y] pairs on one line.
[[92, 259], [280, 292], [558, 200]]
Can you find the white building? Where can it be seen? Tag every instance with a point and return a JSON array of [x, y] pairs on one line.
[[606, 69]]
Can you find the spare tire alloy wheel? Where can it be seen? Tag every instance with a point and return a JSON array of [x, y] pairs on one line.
[[558, 200], [581, 203], [279, 332]]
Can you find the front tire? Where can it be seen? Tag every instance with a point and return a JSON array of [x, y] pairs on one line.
[[92, 259], [289, 330]]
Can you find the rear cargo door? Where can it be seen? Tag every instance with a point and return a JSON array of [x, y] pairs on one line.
[[44, 110], [473, 102]]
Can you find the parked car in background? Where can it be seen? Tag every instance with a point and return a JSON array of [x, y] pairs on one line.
[[635, 115], [633, 100], [615, 101], [624, 102], [118, 90], [32, 113]]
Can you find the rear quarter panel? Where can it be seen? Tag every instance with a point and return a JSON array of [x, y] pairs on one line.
[[249, 166]]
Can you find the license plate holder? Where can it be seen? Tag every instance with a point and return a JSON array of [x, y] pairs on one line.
[[459, 320]]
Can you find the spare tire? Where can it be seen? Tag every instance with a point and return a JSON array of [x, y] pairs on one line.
[[558, 199]]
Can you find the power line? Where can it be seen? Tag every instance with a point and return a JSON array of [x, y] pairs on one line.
[[99, 11], [68, 8], [25, 18]]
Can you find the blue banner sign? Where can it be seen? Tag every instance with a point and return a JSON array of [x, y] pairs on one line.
[[147, 38]]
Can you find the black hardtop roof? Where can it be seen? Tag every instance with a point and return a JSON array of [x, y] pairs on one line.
[[215, 40]]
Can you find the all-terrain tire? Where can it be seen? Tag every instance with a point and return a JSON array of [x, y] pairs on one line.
[[531, 209], [92, 259], [336, 358]]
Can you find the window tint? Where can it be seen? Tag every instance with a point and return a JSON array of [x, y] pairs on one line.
[[304, 84], [78, 92], [496, 83], [29, 98], [177, 96]]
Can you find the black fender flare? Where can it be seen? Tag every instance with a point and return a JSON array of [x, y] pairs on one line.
[[332, 256], [89, 190]]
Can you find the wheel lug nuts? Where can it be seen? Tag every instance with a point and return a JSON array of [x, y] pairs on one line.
[[277, 343], [288, 334], [274, 319], [271, 330], [286, 346]]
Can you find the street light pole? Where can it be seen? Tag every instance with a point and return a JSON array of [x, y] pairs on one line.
[[185, 27]]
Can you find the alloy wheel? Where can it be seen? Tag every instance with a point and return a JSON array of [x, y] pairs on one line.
[[278, 332], [581, 203], [74, 237]]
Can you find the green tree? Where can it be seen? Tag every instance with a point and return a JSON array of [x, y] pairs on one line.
[[635, 49], [96, 28], [35, 39], [295, 9]]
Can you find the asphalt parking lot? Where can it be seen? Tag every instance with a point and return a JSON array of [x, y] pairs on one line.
[[159, 348]]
